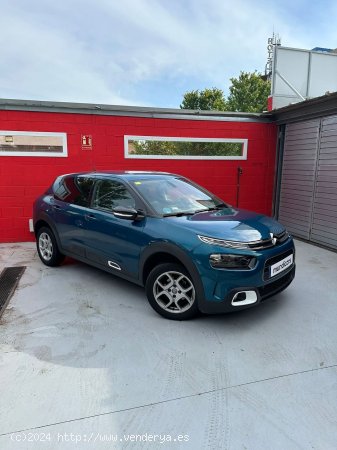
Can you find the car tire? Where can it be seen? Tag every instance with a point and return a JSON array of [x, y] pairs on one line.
[[47, 248], [171, 292]]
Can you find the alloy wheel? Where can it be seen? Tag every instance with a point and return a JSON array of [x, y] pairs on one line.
[[45, 246], [174, 292]]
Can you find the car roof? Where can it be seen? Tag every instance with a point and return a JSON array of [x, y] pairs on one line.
[[127, 174]]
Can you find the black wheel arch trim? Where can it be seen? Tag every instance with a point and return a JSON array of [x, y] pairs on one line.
[[184, 259], [45, 218]]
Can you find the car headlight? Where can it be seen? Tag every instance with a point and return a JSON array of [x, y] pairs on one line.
[[233, 262]]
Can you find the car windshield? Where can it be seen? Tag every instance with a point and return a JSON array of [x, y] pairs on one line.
[[176, 196]]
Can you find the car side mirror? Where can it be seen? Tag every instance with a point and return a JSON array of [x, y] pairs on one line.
[[124, 212]]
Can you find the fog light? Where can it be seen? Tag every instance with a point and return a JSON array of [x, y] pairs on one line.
[[239, 297], [233, 262], [243, 298]]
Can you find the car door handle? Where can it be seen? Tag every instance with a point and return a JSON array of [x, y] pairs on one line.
[[56, 207], [90, 217]]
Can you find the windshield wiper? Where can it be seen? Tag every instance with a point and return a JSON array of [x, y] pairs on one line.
[[179, 214], [219, 206], [191, 213]]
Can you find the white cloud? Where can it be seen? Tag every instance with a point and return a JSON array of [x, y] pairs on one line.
[[110, 52]]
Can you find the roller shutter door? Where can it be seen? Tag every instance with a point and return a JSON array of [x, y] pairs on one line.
[[308, 196], [298, 177], [324, 218]]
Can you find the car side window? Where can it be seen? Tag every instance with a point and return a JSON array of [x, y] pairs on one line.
[[111, 193], [61, 189], [73, 189], [84, 186]]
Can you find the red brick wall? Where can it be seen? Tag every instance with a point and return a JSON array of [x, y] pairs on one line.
[[22, 179]]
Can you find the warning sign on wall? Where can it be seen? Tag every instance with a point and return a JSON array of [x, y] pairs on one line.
[[86, 142]]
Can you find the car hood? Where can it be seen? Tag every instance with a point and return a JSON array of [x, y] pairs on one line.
[[230, 223]]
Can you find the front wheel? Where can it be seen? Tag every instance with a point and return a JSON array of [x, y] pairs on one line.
[[171, 292], [47, 248]]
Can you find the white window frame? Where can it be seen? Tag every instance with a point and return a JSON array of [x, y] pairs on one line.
[[128, 138], [64, 153]]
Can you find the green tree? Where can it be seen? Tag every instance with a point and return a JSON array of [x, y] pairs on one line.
[[192, 148], [248, 93], [142, 147], [208, 99]]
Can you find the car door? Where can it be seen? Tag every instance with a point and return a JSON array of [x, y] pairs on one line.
[[70, 207], [112, 242]]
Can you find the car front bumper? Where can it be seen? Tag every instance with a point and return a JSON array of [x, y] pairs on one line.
[[262, 292], [230, 290]]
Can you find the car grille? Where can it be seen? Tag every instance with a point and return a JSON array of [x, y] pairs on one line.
[[262, 244], [275, 259], [275, 286], [267, 243]]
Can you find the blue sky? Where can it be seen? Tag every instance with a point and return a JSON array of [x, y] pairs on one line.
[[146, 52]]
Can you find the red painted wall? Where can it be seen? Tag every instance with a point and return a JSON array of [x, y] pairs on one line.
[[22, 179]]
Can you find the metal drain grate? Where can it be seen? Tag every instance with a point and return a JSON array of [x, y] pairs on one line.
[[9, 279]]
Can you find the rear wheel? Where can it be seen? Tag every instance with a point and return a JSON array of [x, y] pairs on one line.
[[47, 248], [171, 292]]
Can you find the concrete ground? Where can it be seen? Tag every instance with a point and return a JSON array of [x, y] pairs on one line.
[[86, 363]]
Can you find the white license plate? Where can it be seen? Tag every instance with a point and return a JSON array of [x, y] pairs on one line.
[[281, 265]]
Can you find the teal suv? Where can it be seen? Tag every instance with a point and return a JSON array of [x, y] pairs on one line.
[[192, 251]]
